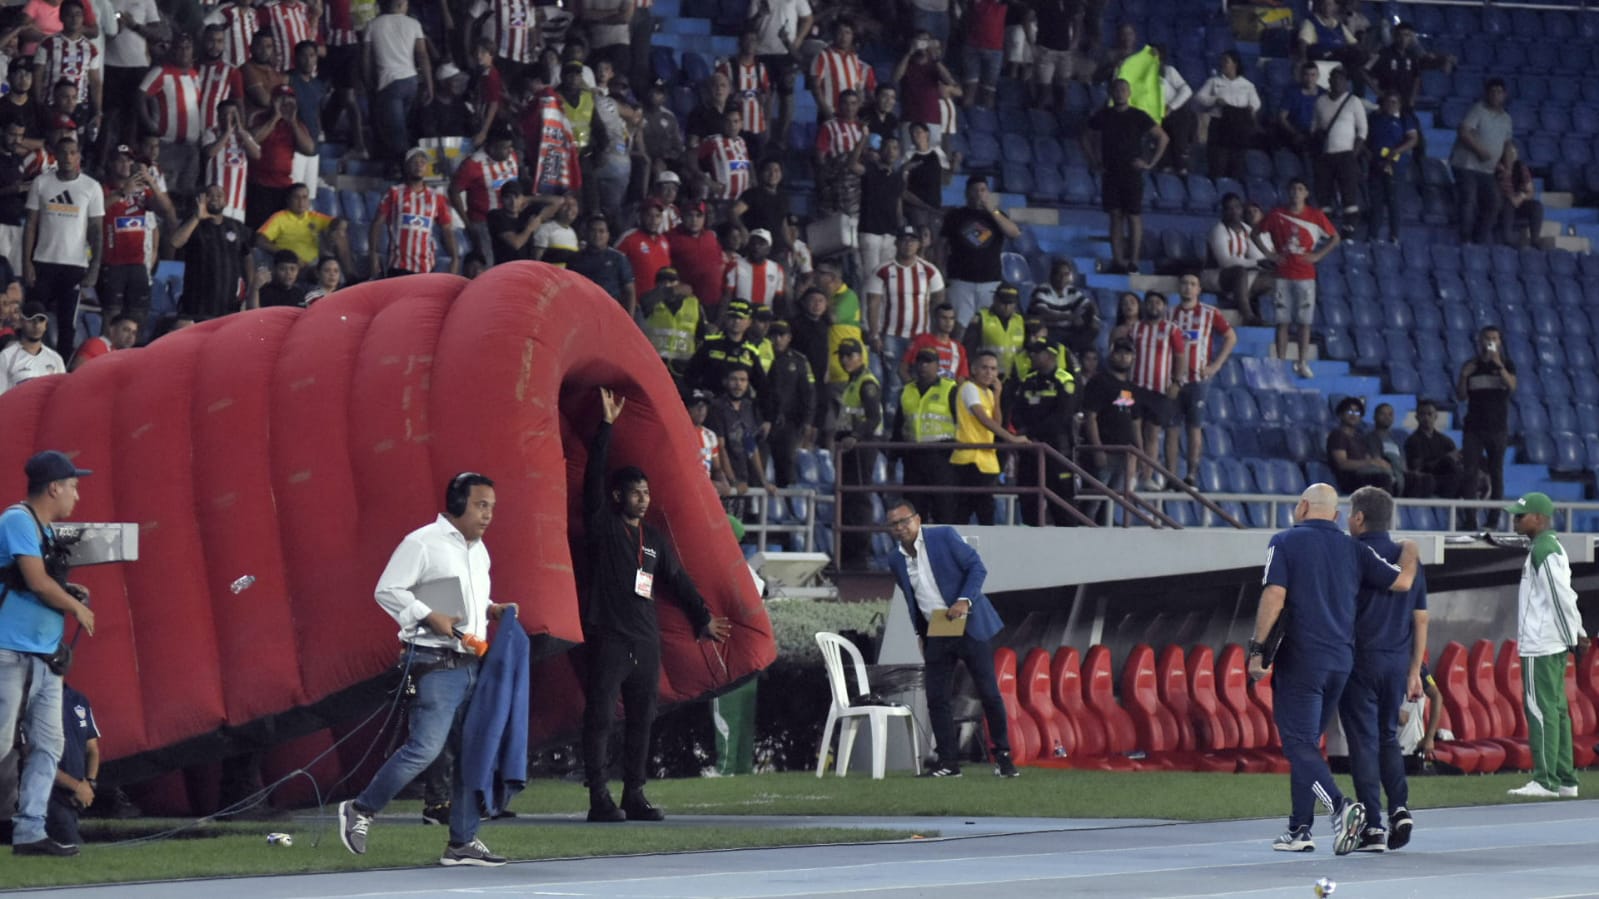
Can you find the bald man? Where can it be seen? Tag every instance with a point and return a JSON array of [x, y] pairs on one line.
[[1313, 573]]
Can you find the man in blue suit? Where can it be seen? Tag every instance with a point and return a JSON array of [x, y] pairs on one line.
[[940, 575]]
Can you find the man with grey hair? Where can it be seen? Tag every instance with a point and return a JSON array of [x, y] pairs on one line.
[[1390, 644], [1307, 615]]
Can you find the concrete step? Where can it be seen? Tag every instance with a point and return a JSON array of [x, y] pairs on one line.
[[1557, 199], [1574, 244], [1029, 215]]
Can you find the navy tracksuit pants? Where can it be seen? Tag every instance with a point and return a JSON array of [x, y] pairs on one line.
[[1369, 710], [1303, 704]]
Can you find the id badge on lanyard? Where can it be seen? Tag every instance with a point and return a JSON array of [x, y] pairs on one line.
[[643, 581]]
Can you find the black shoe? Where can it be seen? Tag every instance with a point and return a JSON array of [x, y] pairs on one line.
[[473, 853], [638, 808], [502, 814], [602, 808], [943, 769], [1399, 825], [45, 846], [1374, 839], [1004, 766], [436, 814]]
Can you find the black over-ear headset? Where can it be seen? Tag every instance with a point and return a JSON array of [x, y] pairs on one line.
[[459, 491]]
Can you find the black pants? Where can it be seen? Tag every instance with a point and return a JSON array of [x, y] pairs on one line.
[[782, 443], [57, 287], [124, 289], [61, 817], [978, 504], [940, 655], [931, 469], [1057, 479], [631, 669], [1182, 126], [1443, 478], [855, 547], [1338, 174], [1483, 451]]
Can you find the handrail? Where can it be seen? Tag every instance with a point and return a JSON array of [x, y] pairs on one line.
[[1507, 4], [1453, 505], [1181, 486], [763, 526]]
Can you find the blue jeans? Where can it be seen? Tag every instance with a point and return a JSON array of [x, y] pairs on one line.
[[393, 109], [982, 66], [934, 23], [39, 714], [1303, 705], [1369, 711], [441, 700], [610, 182], [894, 349]]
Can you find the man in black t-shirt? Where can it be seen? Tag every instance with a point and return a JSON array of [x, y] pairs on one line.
[[765, 206], [14, 184], [215, 249], [1115, 144], [511, 226], [1486, 383], [1112, 415], [974, 238], [882, 188]]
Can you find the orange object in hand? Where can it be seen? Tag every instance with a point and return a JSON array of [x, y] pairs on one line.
[[471, 641]]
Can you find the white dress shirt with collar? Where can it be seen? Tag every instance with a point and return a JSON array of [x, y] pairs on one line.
[[431, 553], [920, 571]]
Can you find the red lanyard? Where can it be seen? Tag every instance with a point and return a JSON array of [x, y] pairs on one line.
[[641, 545]]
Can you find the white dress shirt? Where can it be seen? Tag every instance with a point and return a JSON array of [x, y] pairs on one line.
[[431, 553], [920, 571]]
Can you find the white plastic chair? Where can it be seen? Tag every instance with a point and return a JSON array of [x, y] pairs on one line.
[[847, 716]]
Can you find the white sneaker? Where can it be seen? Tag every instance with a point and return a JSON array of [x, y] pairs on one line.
[[1535, 790], [1568, 792], [1302, 369]]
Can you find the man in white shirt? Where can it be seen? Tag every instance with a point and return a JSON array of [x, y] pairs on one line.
[[780, 27], [443, 670], [395, 58], [62, 239], [1341, 122], [28, 357], [127, 58]]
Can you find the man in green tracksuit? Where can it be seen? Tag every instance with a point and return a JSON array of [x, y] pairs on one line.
[[1548, 627]]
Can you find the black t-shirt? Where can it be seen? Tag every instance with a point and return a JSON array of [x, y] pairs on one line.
[[24, 114], [501, 221], [1055, 21], [1121, 136], [1424, 452], [880, 194], [924, 177], [213, 266], [13, 205], [1488, 397], [767, 209], [273, 295], [1114, 402], [1396, 70], [975, 245], [1353, 445]]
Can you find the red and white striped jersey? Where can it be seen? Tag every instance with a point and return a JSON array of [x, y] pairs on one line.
[[516, 30], [1156, 345], [710, 448], [836, 137], [481, 179], [37, 163], [130, 229], [670, 219], [836, 71], [218, 81], [411, 214], [728, 159], [753, 88], [66, 58], [339, 28], [289, 23], [178, 93], [1197, 326], [231, 169], [240, 23], [906, 291], [759, 283], [947, 112]]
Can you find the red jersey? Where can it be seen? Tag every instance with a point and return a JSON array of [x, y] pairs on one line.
[[1197, 326], [411, 214], [93, 348], [275, 167], [62, 58], [230, 167], [951, 355], [545, 126], [1157, 345], [1295, 235], [698, 258], [289, 23], [648, 254], [218, 81], [338, 24], [986, 28], [759, 283], [481, 179], [836, 137], [752, 87], [515, 24], [130, 230], [240, 24], [836, 71], [906, 291], [177, 92], [728, 160]]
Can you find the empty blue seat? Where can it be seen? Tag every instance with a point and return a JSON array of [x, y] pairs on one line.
[[1203, 196], [1048, 185], [1170, 195], [982, 149], [1016, 148], [1080, 188], [1570, 456], [1047, 150], [1013, 268], [1218, 441], [1270, 405], [1532, 416], [1018, 178], [1210, 479], [1245, 410], [1299, 445], [978, 118], [1445, 257]]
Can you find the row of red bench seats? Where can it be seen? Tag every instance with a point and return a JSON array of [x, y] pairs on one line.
[[1482, 693]]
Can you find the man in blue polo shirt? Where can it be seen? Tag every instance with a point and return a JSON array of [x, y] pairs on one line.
[[1313, 571], [1390, 641]]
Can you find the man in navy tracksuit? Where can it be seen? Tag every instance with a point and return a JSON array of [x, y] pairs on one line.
[[1313, 571], [1390, 641]]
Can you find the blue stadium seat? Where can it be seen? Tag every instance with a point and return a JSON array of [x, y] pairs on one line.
[[1257, 164], [1013, 268], [1575, 149], [982, 150], [1298, 445], [1218, 440], [1048, 185], [1569, 455], [1337, 345], [1588, 419], [1291, 477], [1080, 186], [1016, 148], [1219, 406], [981, 119], [1584, 119], [1169, 192], [1270, 405], [326, 202], [1263, 192], [1533, 417], [1286, 164], [1403, 378], [1203, 196], [1018, 178], [354, 207], [1210, 479], [1245, 410], [1580, 356], [1267, 479], [1235, 476], [1502, 260], [1399, 346], [1047, 150], [1335, 312], [1445, 258]]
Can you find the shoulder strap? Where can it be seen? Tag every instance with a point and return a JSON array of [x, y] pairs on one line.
[[1340, 110]]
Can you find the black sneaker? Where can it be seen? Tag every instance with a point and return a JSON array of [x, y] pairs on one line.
[[638, 808], [473, 853], [1004, 766], [602, 808], [942, 769], [1295, 841], [1374, 839], [353, 825], [1399, 825], [436, 814], [45, 846]]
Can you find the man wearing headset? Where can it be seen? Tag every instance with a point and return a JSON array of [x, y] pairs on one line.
[[451, 547]]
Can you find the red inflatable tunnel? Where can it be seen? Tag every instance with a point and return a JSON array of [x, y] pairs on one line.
[[299, 446]]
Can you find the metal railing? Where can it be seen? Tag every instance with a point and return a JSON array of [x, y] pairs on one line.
[[1564, 509], [760, 524]]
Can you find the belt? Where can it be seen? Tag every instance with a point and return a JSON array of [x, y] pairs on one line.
[[433, 657]]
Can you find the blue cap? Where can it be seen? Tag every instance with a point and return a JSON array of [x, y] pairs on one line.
[[51, 466]]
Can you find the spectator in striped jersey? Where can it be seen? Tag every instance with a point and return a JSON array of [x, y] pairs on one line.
[[1071, 315], [1238, 275], [747, 76], [1200, 325], [170, 95], [839, 68]]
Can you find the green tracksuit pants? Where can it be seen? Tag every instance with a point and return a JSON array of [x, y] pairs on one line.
[[1543, 680]]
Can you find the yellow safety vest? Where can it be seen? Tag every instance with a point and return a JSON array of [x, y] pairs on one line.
[[969, 430], [854, 410], [582, 118], [1022, 366], [1003, 338], [927, 414], [674, 335], [765, 353]]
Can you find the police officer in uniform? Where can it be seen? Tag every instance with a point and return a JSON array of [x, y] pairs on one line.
[[721, 352], [789, 403], [673, 320], [1000, 328], [1313, 573], [1043, 407], [860, 418], [927, 417], [78, 775]]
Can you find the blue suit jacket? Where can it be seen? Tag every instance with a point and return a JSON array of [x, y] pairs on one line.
[[959, 572], [494, 735]]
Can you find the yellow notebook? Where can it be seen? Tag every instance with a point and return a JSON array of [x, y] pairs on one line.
[[942, 625]]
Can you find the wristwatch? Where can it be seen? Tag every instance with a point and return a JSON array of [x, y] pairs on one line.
[[1257, 648]]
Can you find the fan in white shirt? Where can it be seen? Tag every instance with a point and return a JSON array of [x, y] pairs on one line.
[[29, 358]]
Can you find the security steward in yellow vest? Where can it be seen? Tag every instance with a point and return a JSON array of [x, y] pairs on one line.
[[999, 329], [721, 352], [673, 320], [1044, 409], [927, 417], [860, 418]]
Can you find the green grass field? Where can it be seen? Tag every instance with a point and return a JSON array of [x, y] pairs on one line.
[[399, 840]]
